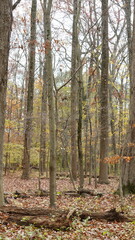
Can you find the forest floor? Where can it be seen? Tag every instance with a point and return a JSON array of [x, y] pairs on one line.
[[78, 230]]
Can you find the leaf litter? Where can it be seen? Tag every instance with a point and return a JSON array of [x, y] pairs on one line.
[[79, 230]]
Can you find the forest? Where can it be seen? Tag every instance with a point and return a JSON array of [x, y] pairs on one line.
[[67, 119]]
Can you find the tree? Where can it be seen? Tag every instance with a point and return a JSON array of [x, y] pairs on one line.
[[49, 77], [128, 167], [103, 175], [74, 90], [79, 138], [5, 32], [29, 110], [127, 9], [42, 163]]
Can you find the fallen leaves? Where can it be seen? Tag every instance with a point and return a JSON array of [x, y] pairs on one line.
[[80, 230]]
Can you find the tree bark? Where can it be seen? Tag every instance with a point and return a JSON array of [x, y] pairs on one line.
[[128, 167], [42, 163], [127, 9], [5, 32], [103, 174], [74, 91], [29, 110], [49, 73], [80, 151]]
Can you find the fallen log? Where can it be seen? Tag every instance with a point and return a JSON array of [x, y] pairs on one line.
[[55, 219], [82, 192], [44, 193], [111, 216], [49, 218]]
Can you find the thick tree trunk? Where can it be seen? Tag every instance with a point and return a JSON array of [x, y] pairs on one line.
[[5, 31], [128, 168], [103, 174], [29, 110]]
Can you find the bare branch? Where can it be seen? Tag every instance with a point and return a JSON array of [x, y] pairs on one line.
[[71, 76], [15, 4]]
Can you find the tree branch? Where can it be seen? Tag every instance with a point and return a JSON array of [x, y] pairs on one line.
[[71, 76], [15, 4]]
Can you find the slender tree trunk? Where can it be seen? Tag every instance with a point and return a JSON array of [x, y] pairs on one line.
[[88, 102], [127, 8], [95, 146], [74, 92], [43, 153], [42, 163], [121, 115], [112, 124], [80, 151], [103, 174], [52, 132], [91, 152], [21, 112], [5, 31], [29, 110], [86, 147], [56, 120], [7, 162]]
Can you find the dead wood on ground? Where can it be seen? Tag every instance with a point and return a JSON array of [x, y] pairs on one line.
[[44, 193], [83, 192], [55, 219]]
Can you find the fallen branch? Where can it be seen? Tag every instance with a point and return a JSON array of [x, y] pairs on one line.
[[82, 192]]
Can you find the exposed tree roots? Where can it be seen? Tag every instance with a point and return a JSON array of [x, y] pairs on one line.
[[55, 219]]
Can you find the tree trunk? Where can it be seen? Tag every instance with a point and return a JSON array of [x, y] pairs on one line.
[[29, 110], [127, 9], [52, 132], [128, 168], [74, 92], [5, 31], [42, 161], [9, 116], [103, 174], [80, 151]]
